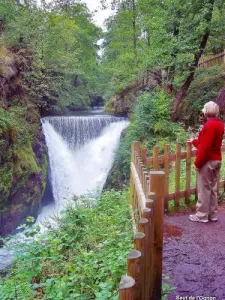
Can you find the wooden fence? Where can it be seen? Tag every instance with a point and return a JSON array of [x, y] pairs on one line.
[[214, 60], [149, 196], [171, 164], [144, 271]]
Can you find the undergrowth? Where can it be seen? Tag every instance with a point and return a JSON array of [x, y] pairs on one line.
[[83, 259], [82, 256], [150, 124]]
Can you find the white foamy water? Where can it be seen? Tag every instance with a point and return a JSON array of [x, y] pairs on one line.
[[81, 152], [82, 169]]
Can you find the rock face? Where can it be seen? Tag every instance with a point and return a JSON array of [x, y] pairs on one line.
[[123, 102], [23, 163], [22, 180]]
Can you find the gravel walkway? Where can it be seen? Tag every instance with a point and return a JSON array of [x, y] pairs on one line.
[[194, 257]]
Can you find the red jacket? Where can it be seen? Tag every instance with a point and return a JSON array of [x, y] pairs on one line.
[[209, 142]]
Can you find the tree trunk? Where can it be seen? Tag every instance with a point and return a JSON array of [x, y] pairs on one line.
[[184, 88], [171, 69]]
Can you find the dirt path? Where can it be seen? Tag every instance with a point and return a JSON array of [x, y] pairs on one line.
[[194, 256]]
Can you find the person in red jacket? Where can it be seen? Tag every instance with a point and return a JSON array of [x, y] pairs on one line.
[[208, 163]]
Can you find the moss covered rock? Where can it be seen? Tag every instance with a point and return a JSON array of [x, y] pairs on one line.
[[23, 165]]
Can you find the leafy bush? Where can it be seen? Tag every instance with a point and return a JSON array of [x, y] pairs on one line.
[[83, 259], [151, 124]]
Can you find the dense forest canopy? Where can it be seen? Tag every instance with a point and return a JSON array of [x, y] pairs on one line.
[[62, 40], [170, 35], [141, 35]]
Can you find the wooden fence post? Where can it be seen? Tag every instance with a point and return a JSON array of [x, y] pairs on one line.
[[144, 155], [133, 270], [145, 187], [144, 228], [188, 172], [139, 244], [155, 158], [127, 288], [148, 184], [132, 189], [147, 213], [138, 241], [177, 174], [150, 204], [142, 171], [167, 171], [157, 185], [135, 148]]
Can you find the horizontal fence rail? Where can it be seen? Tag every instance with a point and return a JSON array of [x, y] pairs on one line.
[[177, 166], [217, 59]]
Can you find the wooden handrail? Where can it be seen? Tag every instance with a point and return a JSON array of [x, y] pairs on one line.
[[138, 186], [217, 59], [143, 262]]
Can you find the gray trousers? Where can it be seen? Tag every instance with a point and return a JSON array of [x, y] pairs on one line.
[[207, 190]]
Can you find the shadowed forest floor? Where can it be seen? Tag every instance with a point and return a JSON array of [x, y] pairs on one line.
[[194, 256]]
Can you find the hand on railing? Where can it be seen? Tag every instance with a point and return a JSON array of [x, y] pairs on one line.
[[190, 140]]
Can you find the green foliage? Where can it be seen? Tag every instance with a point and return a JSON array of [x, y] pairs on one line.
[[83, 259], [150, 124], [61, 40], [168, 34], [204, 88], [167, 286]]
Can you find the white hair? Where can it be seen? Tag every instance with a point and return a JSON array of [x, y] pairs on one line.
[[211, 108]]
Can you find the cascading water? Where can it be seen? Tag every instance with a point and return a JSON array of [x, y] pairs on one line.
[[81, 154], [80, 151], [77, 131]]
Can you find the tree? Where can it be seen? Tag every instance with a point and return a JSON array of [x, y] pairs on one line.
[[207, 8], [170, 35], [62, 39]]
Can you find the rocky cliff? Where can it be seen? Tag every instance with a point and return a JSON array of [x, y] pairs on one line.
[[124, 101], [23, 162]]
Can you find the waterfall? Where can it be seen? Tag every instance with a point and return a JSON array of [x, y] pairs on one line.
[[77, 131], [81, 151]]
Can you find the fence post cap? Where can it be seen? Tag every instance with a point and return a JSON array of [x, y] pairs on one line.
[[147, 210], [133, 254], [143, 221], [151, 196], [126, 282], [157, 173], [139, 235]]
